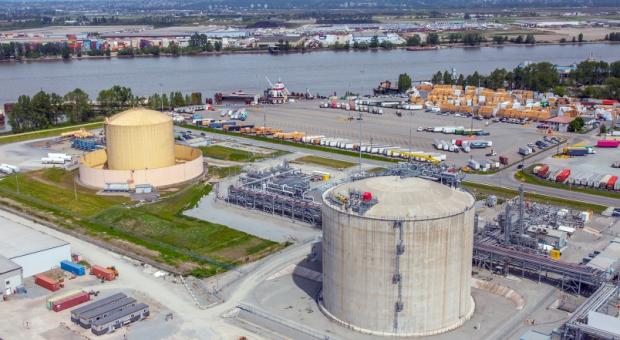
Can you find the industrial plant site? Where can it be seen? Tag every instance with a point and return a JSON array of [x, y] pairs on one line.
[[440, 212]]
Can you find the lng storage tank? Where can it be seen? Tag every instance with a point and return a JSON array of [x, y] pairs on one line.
[[140, 149], [397, 256]]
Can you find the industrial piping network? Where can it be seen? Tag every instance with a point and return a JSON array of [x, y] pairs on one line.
[[285, 191], [571, 277], [290, 198], [576, 328]]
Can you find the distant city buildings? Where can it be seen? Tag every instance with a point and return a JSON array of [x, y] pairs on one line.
[[116, 39]]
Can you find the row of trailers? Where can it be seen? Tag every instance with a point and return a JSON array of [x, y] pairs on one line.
[[579, 178], [110, 313]]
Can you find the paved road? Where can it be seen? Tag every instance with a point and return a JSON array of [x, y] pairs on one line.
[[504, 178]]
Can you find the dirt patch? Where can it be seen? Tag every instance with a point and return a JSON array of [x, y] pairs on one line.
[[238, 253], [63, 332], [55, 274], [134, 248]]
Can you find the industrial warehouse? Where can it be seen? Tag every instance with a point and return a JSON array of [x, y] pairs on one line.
[[25, 252]]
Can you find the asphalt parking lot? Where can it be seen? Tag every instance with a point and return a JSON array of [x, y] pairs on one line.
[[390, 129]]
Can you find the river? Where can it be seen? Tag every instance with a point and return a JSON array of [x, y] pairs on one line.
[[321, 72]]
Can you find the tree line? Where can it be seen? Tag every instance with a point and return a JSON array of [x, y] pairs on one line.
[[467, 38], [45, 110], [613, 36]]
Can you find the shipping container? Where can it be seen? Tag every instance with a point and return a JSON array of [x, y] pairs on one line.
[[103, 273], [563, 175], [607, 143], [60, 296], [71, 302], [576, 152], [473, 164], [47, 283], [74, 268], [612, 182], [602, 184], [543, 171]]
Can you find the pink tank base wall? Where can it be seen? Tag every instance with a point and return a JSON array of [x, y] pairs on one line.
[[161, 177]]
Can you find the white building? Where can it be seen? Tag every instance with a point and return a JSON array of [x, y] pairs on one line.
[[327, 40], [11, 276], [35, 252], [367, 38]]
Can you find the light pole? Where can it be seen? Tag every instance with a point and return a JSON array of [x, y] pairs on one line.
[[360, 146], [410, 133]]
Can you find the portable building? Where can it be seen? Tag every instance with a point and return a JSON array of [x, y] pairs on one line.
[[77, 313], [120, 319], [87, 319]]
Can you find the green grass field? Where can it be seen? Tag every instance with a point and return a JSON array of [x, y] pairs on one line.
[[160, 227], [527, 176], [221, 172], [326, 162], [19, 137], [482, 191], [236, 155]]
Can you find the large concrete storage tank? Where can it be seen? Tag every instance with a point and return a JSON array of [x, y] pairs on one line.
[[403, 266], [139, 139]]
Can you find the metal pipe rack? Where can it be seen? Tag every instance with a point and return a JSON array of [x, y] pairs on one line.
[[574, 278], [577, 328], [284, 206]]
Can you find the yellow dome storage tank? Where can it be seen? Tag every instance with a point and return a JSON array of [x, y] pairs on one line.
[[139, 139]]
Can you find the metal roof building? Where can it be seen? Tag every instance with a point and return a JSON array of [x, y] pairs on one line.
[[10, 276], [32, 250]]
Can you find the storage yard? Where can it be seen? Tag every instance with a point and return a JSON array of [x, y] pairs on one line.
[[208, 235], [391, 132], [588, 167]]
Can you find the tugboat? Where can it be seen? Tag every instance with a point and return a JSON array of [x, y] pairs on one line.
[[277, 93]]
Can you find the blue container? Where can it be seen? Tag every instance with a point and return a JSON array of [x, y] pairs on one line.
[[73, 268], [577, 152]]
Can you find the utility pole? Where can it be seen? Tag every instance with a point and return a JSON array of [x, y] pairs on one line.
[[17, 182], [74, 190], [521, 212], [360, 146]]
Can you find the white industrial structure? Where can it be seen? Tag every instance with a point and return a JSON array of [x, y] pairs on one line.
[[31, 251], [397, 256]]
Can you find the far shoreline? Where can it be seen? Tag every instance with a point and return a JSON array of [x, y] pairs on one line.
[[296, 51]]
